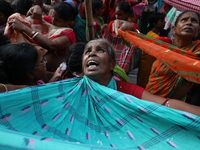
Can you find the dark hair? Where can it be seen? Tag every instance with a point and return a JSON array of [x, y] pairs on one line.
[[177, 19], [16, 61], [124, 6], [3, 39], [96, 4], [154, 18], [111, 50], [5, 8], [74, 57], [23, 6], [65, 11]]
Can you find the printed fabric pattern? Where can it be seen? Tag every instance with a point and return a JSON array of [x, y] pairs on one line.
[[81, 114]]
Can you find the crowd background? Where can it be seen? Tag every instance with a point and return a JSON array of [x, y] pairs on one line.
[[48, 41]]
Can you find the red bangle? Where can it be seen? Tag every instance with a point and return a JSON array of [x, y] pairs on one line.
[[167, 99]]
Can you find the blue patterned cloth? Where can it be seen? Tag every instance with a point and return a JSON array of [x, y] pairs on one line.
[[81, 114]]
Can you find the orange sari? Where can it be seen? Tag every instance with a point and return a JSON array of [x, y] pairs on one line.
[[172, 66]]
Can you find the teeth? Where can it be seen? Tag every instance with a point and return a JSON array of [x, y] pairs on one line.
[[92, 62]]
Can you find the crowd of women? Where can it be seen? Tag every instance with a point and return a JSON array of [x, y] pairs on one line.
[[42, 43]]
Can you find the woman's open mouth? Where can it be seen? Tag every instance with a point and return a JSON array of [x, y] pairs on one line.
[[92, 64]]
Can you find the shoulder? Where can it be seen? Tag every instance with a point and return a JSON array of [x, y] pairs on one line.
[[130, 88], [152, 34], [165, 39]]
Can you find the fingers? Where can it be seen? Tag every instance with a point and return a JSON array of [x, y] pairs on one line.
[[115, 26]]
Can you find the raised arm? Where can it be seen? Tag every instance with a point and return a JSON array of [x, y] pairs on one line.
[[122, 25]]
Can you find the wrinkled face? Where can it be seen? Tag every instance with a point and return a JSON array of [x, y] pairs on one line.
[[97, 63], [120, 14], [187, 25], [57, 20], [3, 18]]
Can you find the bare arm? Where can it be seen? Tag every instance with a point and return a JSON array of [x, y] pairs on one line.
[[6, 87], [172, 103], [52, 45]]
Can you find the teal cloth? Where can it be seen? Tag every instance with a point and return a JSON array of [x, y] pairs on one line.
[[80, 29], [79, 113]]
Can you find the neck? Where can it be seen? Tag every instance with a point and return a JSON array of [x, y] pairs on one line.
[[100, 80], [181, 42], [155, 30]]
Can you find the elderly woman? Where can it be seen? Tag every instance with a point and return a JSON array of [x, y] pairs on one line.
[[83, 110], [98, 65], [186, 28], [164, 80]]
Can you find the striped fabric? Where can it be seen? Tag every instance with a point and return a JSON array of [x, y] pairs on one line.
[[124, 53], [81, 114], [182, 61], [183, 5]]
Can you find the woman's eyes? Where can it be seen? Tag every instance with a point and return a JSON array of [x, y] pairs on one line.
[[100, 50], [87, 52], [183, 20], [193, 20]]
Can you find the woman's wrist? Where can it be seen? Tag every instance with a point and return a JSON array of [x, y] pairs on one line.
[[5, 87]]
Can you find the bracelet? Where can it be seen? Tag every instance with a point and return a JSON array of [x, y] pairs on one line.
[[34, 35], [166, 101], [4, 87]]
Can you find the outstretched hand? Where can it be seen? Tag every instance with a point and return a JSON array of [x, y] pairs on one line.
[[122, 25]]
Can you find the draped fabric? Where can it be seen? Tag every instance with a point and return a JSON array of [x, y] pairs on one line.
[[185, 62], [43, 27], [79, 113], [124, 53], [184, 4]]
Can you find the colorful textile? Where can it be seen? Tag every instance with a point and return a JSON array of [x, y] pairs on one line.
[[138, 9], [80, 29], [110, 5], [166, 79], [90, 115], [182, 61], [183, 5], [145, 64], [45, 28], [97, 29], [152, 34], [170, 20], [124, 52], [130, 88], [121, 74]]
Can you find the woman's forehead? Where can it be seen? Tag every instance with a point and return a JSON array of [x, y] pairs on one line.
[[96, 44], [190, 14]]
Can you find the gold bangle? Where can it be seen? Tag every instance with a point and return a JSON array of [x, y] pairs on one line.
[[4, 87], [32, 33]]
